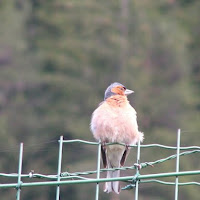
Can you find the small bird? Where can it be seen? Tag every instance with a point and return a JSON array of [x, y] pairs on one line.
[[115, 121]]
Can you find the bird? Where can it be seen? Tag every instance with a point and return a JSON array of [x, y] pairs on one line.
[[115, 121]]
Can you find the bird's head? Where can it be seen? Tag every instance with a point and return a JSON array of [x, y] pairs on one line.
[[117, 89]]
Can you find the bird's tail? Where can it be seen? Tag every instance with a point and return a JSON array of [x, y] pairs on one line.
[[112, 186]]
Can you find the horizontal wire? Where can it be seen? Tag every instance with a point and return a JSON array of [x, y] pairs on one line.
[[189, 131], [145, 164], [42, 143], [31, 146], [169, 147], [11, 149], [96, 143], [68, 175], [170, 183], [79, 175], [123, 144], [131, 186], [135, 178]]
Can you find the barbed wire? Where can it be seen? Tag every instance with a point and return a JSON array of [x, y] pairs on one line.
[[78, 175], [82, 176]]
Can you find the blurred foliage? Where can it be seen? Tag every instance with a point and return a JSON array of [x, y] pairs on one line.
[[57, 58]]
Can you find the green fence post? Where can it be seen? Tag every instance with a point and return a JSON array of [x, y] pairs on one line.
[[98, 170], [137, 171], [59, 166], [19, 172], [177, 162]]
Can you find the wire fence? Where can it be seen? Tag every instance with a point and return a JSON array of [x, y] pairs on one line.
[[64, 178]]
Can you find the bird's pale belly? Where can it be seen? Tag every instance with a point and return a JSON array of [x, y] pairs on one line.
[[122, 129]]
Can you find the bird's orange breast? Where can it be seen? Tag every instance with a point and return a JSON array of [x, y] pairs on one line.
[[115, 120]]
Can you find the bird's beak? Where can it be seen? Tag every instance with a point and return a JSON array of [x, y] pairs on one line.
[[127, 92]]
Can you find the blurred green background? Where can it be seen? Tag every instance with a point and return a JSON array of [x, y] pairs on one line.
[[57, 57]]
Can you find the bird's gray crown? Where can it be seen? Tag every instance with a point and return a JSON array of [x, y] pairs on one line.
[[108, 92]]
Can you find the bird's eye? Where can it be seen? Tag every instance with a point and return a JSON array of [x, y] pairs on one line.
[[122, 88]]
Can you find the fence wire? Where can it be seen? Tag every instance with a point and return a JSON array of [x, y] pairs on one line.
[[64, 178]]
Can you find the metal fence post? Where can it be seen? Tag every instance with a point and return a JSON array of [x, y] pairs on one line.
[[59, 166], [19, 172], [177, 162], [137, 171], [98, 170]]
